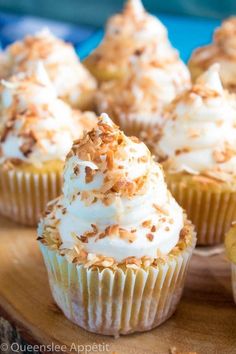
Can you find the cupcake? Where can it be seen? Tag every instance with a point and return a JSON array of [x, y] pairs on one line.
[[37, 131], [230, 245], [132, 33], [136, 101], [72, 81], [115, 243], [222, 50], [197, 150]]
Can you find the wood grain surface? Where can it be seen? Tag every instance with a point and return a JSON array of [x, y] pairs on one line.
[[205, 322]]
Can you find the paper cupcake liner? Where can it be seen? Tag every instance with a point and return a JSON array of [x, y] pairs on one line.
[[148, 132], [24, 195], [133, 127], [113, 302], [211, 212], [233, 272]]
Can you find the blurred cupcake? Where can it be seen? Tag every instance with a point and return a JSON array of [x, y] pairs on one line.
[[136, 101], [198, 151], [132, 33], [230, 245], [116, 244], [72, 82], [37, 131], [223, 51]]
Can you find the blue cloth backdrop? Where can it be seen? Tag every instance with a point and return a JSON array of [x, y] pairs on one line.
[[186, 33]]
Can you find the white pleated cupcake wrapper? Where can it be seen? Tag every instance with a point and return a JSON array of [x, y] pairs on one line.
[[148, 132], [114, 302], [233, 275], [132, 126], [24, 195], [211, 213]]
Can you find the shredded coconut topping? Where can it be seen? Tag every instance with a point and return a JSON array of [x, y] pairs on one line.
[[115, 205]]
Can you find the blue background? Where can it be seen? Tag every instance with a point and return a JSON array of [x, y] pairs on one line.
[[185, 32], [94, 12]]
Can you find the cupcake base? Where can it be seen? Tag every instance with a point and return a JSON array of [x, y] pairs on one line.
[[24, 193], [103, 73], [85, 102], [196, 70], [117, 301], [210, 206]]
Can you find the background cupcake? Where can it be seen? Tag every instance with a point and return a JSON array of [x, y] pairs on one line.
[[37, 131], [222, 50], [136, 101], [230, 245], [132, 33], [198, 152], [71, 80], [116, 244]]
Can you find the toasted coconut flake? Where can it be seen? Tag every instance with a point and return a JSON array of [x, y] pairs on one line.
[[127, 235], [29, 141], [63, 211], [147, 261], [132, 261], [150, 237], [147, 223], [76, 170], [95, 228], [110, 160], [184, 150], [160, 210], [101, 235], [221, 156], [154, 228], [83, 238], [112, 230]]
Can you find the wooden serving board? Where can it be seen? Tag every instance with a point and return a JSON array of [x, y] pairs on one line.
[[205, 321]]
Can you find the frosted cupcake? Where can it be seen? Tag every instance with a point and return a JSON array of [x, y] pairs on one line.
[[230, 245], [37, 131], [116, 244], [198, 152], [132, 33], [136, 101], [222, 50], [72, 81]]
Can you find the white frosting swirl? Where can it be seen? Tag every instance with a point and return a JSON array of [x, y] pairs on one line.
[[69, 77], [148, 213], [37, 126], [143, 92], [199, 134]]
